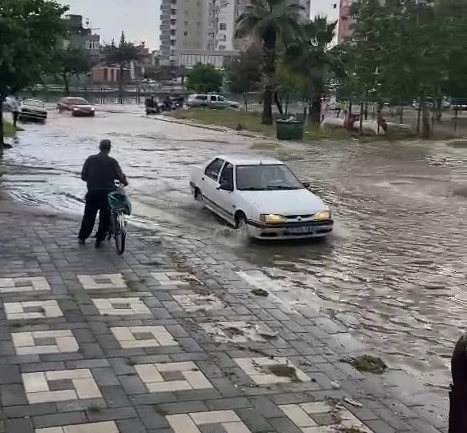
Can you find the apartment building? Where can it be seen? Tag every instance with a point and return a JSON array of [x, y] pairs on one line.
[[203, 29], [344, 27], [81, 36]]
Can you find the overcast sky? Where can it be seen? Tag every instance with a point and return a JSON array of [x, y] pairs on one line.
[[140, 18]]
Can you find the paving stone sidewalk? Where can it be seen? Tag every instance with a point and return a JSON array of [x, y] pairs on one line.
[[168, 339]]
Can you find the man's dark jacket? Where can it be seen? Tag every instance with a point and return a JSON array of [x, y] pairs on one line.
[[100, 172]]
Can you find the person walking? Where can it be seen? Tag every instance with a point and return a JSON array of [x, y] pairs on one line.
[[15, 109], [100, 172]]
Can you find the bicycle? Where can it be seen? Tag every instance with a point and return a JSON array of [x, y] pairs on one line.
[[118, 223]]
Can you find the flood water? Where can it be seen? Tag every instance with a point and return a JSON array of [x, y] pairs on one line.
[[393, 271]]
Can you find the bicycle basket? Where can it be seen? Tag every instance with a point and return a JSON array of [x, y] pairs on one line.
[[119, 201]]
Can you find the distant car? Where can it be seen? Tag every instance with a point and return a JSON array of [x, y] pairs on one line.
[[210, 101], [33, 110], [261, 196], [76, 106]]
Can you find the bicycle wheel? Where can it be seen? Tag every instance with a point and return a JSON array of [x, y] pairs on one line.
[[120, 233]]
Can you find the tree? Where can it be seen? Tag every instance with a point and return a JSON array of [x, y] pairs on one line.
[[289, 85], [243, 73], [272, 23], [73, 61], [406, 50], [121, 56], [312, 58], [204, 79], [30, 31]]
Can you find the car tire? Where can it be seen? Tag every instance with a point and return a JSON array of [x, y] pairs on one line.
[[198, 195], [242, 226]]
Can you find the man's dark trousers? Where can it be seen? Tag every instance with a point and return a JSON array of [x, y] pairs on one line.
[[96, 201]]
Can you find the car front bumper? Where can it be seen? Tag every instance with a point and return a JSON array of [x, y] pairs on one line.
[[38, 116], [78, 113], [304, 230]]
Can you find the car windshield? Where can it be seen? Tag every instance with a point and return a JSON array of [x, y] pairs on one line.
[[77, 101], [34, 103], [267, 177]]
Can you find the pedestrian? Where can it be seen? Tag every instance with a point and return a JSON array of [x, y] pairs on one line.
[[100, 172], [15, 109]]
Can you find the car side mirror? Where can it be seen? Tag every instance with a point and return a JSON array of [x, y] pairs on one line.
[[226, 186], [306, 185]]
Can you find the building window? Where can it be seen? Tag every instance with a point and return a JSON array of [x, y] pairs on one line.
[[221, 47], [185, 33], [222, 26]]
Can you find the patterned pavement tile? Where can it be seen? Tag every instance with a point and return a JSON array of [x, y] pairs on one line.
[[121, 306], [41, 342], [267, 371], [24, 284], [98, 427], [183, 376], [180, 279], [322, 417], [189, 423], [104, 281], [62, 385], [143, 336], [27, 310]]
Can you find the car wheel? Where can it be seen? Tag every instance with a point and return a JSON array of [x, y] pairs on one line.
[[242, 226], [198, 195]]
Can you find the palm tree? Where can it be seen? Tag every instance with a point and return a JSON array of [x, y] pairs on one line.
[[121, 55], [313, 58], [271, 22]]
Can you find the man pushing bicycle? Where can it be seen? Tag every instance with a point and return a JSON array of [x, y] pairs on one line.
[[100, 172]]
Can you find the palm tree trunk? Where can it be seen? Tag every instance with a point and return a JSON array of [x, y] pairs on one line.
[[315, 109], [66, 83], [269, 54], [278, 103]]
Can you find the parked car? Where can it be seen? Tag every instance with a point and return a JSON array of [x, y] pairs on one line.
[[210, 101], [33, 110], [262, 197], [76, 106]]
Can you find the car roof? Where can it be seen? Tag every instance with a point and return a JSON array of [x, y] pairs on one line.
[[250, 160], [38, 101]]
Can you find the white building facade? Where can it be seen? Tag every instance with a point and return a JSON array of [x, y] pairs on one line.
[[203, 28]]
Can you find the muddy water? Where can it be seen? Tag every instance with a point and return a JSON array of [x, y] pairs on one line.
[[393, 271]]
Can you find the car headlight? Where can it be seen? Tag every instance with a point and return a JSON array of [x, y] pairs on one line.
[[322, 215], [273, 219]]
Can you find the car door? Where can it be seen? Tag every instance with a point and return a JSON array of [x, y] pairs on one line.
[[209, 183], [214, 103], [222, 102], [225, 199]]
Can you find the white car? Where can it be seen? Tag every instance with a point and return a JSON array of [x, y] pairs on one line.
[[261, 196], [33, 110], [210, 101]]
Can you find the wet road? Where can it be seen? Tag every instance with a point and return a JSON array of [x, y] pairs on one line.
[[394, 270]]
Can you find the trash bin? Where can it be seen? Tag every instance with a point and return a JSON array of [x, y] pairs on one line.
[[289, 129]]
